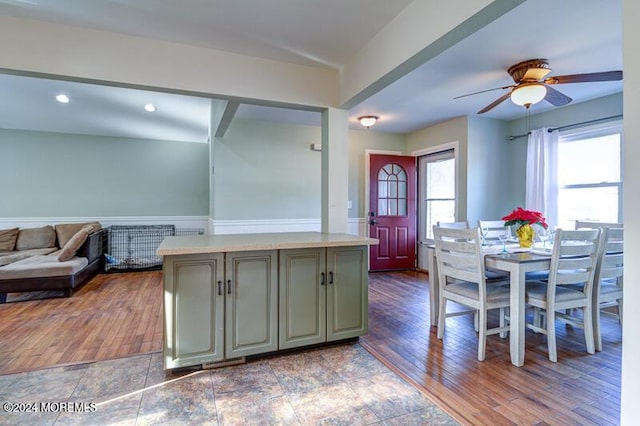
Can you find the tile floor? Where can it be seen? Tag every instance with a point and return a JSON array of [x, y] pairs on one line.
[[337, 385]]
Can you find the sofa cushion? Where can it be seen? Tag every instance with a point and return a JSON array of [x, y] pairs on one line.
[[34, 238], [23, 254], [71, 247], [42, 266], [8, 239], [65, 231]]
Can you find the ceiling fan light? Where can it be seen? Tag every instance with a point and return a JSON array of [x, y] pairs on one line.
[[528, 94], [368, 120]]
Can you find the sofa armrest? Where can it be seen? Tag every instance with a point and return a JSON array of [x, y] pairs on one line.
[[92, 248]]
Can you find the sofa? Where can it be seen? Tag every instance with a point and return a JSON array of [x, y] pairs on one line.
[[60, 257]]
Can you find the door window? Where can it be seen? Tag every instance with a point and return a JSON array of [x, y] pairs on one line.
[[392, 191]]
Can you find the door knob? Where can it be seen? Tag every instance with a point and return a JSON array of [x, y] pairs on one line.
[[373, 222]]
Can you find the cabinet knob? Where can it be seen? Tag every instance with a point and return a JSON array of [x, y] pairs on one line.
[[219, 288], [322, 279], [228, 286], [330, 277]]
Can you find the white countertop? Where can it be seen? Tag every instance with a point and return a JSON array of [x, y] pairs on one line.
[[193, 244]]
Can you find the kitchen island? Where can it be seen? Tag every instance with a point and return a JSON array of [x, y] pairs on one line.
[[229, 296]]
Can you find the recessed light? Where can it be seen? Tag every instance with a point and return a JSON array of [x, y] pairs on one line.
[[63, 99], [150, 108]]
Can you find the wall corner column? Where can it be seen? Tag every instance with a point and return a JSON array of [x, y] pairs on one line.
[[335, 170]]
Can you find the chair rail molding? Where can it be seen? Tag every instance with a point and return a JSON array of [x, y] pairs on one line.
[[178, 221]]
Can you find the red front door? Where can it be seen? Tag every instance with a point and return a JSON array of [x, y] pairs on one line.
[[392, 212]]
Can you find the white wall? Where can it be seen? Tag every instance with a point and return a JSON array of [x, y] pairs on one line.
[[630, 410], [421, 31], [37, 46]]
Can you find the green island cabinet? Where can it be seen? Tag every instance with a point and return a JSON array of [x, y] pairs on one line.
[[323, 295], [230, 296], [220, 306]]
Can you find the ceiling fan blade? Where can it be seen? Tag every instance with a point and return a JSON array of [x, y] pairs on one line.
[[483, 91], [495, 103], [535, 74], [556, 98], [585, 78]]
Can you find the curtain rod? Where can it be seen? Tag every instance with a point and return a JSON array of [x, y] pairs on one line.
[[568, 126]]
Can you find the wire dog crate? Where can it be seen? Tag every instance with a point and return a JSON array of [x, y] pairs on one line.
[[133, 247]]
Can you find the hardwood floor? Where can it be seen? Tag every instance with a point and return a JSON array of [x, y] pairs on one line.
[[117, 315], [579, 389], [112, 316]]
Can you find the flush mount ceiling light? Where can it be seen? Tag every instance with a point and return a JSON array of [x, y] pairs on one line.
[[63, 99], [150, 108], [368, 120], [527, 94]]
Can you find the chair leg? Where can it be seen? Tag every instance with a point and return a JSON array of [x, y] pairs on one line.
[[536, 316], [482, 334], [551, 335], [597, 334], [475, 321], [620, 311], [442, 312], [588, 328], [503, 334]]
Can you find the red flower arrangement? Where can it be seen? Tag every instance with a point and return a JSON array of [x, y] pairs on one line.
[[522, 217]]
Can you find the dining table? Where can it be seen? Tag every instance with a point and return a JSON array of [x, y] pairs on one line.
[[517, 263]]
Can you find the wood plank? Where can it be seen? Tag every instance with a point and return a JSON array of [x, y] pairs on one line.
[[113, 315], [493, 391]]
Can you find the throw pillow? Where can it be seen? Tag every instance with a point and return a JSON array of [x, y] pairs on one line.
[[8, 239], [34, 238], [65, 231], [69, 250]]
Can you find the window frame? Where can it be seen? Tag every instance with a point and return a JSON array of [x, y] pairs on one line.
[[443, 152], [591, 132]]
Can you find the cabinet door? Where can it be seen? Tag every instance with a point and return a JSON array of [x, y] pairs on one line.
[[251, 303], [302, 283], [194, 309], [347, 292]]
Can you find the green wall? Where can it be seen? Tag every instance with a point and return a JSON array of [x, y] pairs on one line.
[[68, 175], [487, 177], [266, 170], [454, 130]]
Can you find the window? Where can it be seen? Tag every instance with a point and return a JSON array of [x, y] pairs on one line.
[[392, 191], [590, 176], [437, 191]]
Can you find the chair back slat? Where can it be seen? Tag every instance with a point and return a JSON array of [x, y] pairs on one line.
[[459, 256], [574, 259], [463, 224], [584, 224], [611, 259], [492, 229]]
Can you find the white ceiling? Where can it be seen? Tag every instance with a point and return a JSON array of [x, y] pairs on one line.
[[575, 35]]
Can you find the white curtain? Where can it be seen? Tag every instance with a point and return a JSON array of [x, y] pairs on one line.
[[542, 174]]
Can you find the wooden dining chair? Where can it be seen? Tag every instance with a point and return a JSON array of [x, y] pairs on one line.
[[492, 229], [586, 224], [461, 274], [573, 264], [608, 279], [463, 224]]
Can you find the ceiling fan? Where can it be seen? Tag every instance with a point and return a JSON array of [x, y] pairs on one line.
[[530, 88]]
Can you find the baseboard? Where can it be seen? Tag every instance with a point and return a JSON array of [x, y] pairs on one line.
[[201, 222]]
